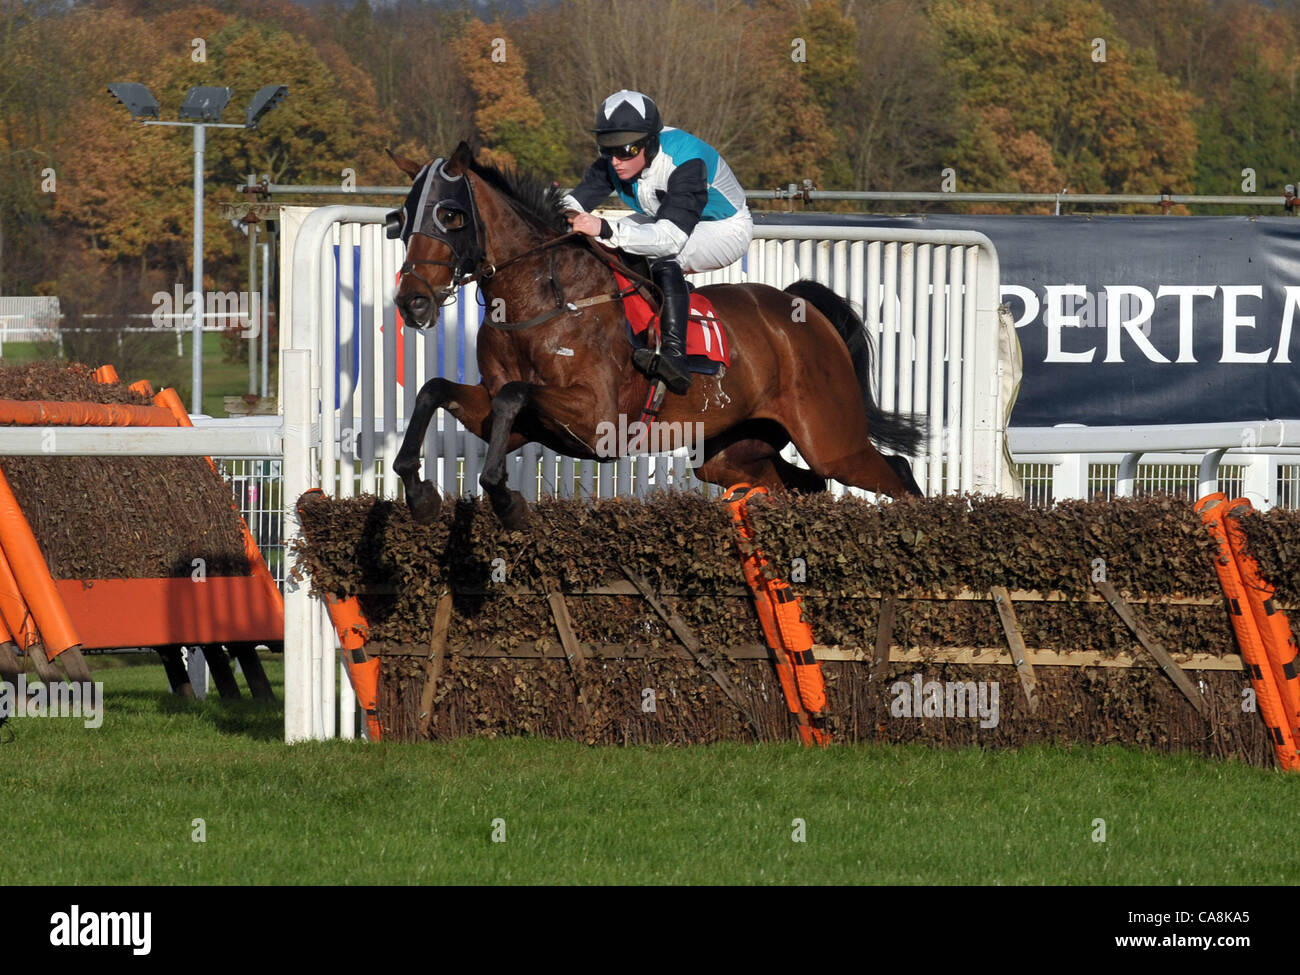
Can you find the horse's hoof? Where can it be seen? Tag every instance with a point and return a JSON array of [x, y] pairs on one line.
[[513, 514], [424, 503]]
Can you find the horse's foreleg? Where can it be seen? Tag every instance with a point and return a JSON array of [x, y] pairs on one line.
[[508, 504], [471, 405], [564, 416]]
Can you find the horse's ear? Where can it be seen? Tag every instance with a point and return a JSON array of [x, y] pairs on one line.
[[460, 159], [409, 167]]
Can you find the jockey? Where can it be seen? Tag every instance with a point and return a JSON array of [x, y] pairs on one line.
[[690, 214]]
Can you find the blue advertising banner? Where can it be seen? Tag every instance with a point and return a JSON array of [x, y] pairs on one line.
[[1133, 320]]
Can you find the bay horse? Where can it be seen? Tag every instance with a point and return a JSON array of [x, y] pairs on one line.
[[556, 361]]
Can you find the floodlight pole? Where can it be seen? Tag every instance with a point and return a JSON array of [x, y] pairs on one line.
[[203, 102]]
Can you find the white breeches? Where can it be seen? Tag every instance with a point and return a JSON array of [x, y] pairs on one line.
[[713, 244]]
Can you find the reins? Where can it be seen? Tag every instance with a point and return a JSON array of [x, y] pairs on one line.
[[485, 271], [563, 307]]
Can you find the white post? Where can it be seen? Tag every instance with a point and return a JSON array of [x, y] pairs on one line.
[[1126, 476], [255, 318], [295, 366], [196, 399], [266, 300], [197, 668], [1259, 480], [1070, 478], [1208, 477]]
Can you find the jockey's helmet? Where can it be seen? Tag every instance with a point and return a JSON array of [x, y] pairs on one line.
[[625, 117]]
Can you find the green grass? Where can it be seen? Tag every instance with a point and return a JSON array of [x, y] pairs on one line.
[[220, 378], [121, 801], [14, 353]]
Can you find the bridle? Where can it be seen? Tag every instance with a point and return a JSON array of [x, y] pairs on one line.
[[469, 256], [469, 259]]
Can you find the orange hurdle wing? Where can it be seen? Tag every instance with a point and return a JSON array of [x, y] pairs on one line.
[[1212, 509], [1272, 624]]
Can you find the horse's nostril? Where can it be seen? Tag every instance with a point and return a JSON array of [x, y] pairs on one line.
[[418, 305]]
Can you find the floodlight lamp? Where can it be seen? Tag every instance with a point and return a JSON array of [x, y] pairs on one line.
[[138, 99], [267, 97], [205, 103]]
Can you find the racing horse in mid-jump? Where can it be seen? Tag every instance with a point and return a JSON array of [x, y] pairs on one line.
[[556, 361]]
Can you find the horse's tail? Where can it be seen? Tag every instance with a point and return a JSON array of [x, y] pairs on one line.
[[902, 432]]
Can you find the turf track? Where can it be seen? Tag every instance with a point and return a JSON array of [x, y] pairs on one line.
[[118, 805]]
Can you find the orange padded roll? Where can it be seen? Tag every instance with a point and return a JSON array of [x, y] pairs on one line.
[[349, 622], [13, 610], [353, 631], [47, 413], [365, 684], [797, 636], [169, 399], [28, 564], [779, 613], [105, 375]]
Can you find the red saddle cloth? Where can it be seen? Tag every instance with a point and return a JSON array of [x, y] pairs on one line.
[[705, 336]]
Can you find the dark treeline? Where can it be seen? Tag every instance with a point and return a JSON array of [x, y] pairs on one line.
[[1009, 95]]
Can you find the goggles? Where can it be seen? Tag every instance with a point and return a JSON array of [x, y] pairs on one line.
[[628, 151]]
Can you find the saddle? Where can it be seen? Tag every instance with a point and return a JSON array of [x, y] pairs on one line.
[[707, 346]]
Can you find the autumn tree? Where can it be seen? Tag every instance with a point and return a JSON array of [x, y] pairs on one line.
[[1052, 94], [1185, 36], [873, 72], [897, 111], [406, 48], [1247, 121], [734, 73], [507, 117], [127, 188], [35, 108]]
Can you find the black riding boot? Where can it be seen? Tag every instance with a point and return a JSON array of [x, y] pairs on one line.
[[670, 364]]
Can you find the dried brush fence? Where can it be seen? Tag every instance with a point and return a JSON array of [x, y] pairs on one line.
[[124, 539], [953, 621]]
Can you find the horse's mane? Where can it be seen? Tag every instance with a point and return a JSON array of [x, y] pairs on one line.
[[530, 195]]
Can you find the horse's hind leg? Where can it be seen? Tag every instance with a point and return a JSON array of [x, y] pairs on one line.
[[842, 451], [747, 461], [797, 478], [904, 471], [777, 474]]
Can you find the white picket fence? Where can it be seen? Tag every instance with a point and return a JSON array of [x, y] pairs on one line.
[[1260, 461]]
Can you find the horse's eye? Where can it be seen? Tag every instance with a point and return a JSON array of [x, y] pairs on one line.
[[451, 219]]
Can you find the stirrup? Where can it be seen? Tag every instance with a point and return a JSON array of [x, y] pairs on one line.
[[657, 366]]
